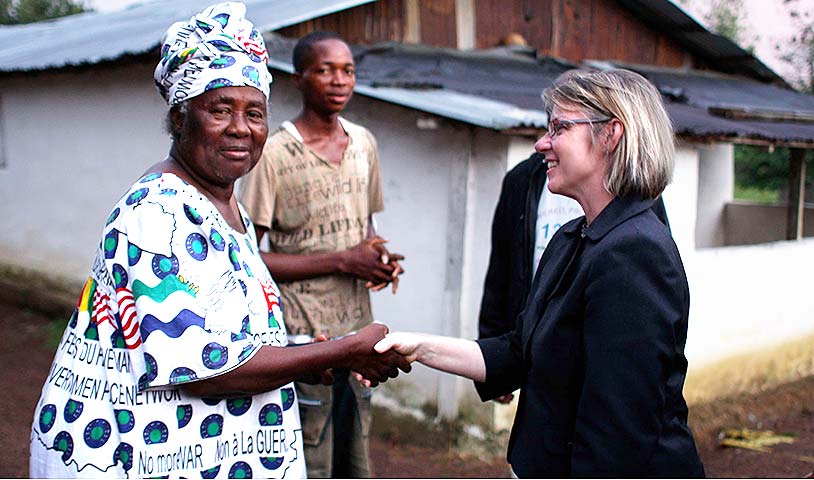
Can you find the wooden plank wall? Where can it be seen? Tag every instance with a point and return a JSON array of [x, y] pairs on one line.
[[366, 24], [570, 29], [576, 30]]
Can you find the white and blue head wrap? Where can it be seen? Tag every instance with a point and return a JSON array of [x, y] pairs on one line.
[[216, 48]]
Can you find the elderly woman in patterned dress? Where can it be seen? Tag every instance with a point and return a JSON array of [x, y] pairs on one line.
[[173, 361]]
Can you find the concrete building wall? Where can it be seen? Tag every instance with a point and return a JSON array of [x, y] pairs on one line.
[[74, 143], [748, 298], [751, 223], [681, 198], [716, 184]]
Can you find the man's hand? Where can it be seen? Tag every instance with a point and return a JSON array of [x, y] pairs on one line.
[[393, 260], [365, 261], [367, 363]]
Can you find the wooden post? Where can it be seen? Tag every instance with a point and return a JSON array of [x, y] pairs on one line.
[[797, 185]]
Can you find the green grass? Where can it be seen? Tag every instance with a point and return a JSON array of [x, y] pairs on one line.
[[755, 194]]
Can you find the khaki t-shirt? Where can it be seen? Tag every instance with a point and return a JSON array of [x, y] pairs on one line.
[[311, 206]]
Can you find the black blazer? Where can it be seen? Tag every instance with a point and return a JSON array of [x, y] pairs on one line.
[[598, 353]]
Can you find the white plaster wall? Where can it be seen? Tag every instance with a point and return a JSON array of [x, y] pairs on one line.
[[74, 143], [716, 184], [748, 297], [681, 199], [424, 181]]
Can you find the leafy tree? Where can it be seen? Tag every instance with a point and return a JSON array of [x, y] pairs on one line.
[[758, 170], [799, 50], [27, 11], [728, 18]]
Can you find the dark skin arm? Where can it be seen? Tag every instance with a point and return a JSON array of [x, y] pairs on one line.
[[362, 261], [273, 367]]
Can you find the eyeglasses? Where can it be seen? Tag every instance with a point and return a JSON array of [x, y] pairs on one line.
[[556, 126]]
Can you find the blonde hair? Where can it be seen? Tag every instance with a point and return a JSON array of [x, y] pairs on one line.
[[642, 162]]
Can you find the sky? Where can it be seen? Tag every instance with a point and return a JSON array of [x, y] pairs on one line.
[[767, 24]]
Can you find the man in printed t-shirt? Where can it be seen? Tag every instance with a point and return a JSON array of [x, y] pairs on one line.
[[314, 192]]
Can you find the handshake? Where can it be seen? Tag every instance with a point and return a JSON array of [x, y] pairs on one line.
[[369, 366]]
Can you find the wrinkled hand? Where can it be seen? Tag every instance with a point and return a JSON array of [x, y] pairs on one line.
[[371, 367], [366, 261]]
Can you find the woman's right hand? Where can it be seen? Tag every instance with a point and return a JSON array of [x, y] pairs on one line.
[[404, 343]]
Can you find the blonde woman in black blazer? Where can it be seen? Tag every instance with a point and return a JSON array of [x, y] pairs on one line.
[[598, 352]]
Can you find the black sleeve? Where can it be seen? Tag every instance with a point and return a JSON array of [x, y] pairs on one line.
[[505, 372]]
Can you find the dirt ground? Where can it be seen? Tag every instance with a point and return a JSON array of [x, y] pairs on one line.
[[26, 357]]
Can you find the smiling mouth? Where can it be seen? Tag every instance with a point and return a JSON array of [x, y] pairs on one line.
[[235, 153]]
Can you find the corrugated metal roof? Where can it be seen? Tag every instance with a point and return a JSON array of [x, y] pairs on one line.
[[500, 89], [92, 37]]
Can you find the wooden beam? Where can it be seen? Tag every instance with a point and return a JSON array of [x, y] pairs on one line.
[[797, 185], [412, 22]]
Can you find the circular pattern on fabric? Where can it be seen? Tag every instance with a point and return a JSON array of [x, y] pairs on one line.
[[163, 266], [72, 411], [255, 58], [150, 177], [217, 240], [221, 45], [193, 215], [110, 243], [155, 432], [218, 83], [234, 242], [92, 332], [248, 272], [271, 415], [212, 426], [238, 406], [133, 254], [117, 339], [233, 257], [48, 416], [64, 443], [119, 276], [210, 401], [243, 285], [271, 463], [184, 414], [97, 432], [240, 470], [137, 196], [182, 374], [151, 367], [124, 454], [210, 473], [247, 350], [222, 18], [251, 74], [287, 397], [196, 246], [224, 61], [125, 420], [113, 216], [215, 355], [168, 191]]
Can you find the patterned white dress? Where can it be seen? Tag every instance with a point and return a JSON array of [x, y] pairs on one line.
[[175, 294]]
